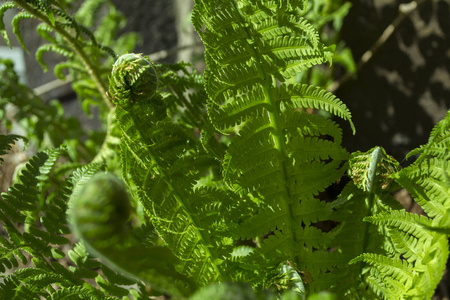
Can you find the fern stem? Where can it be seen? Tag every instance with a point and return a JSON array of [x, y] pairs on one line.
[[76, 47], [370, 204]]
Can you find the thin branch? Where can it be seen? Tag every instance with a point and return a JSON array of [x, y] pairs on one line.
[[51, 85], [405, 11], [165, 53]]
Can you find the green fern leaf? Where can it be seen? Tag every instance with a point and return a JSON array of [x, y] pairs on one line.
[[79, 291], [252, 48], [44, 31], [16, 27], [24, 196], [6, 142], [403, 221], [397, 273], [425, 180], [305, 96], [439, 137], [100, 221], [46, 8], [53, 48], [6, 6], [164, 163], [60, 67]]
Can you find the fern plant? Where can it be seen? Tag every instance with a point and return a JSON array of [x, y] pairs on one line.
[[225, 181]]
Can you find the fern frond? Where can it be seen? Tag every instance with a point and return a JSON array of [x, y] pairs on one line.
[[47, 9], [77, 37], [5, 6], [399, 272], [163, 162], [425, 180], [40, 242], [6, 142], [16, 26], [53, 48], [438, 139], [76, 292], [44, 31], [24, 196], [252, 48], [10, 253], [418, 246], [403, 221], [308, 125], [58, 69], [262, 223], [242, 57], [88, 11], [407, 246], [307, 96]]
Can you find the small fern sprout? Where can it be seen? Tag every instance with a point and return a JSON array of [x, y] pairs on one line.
[[372, 169], [100, 211], [133, 78]]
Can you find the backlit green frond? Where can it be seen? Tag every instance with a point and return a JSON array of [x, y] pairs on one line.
[[437, 142], [166, 189], [42, 239], [60, 67], [403, 221], [426, 181], [403, 258], [99, 215], [281, 156], [88, 11], [66, 36], [45, 224], [393, 274], [164, 163], [306, 96], [250, 45], [372, 169]]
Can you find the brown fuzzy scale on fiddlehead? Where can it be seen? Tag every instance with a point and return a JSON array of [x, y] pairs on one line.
[[133, 78]]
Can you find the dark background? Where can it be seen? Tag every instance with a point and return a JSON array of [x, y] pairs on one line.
[[401, 93]]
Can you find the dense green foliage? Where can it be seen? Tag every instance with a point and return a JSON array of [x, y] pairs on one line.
[[225, 176]]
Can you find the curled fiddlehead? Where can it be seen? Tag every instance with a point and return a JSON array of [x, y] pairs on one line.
[[100, 211], [372, 169], [133, 77]]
